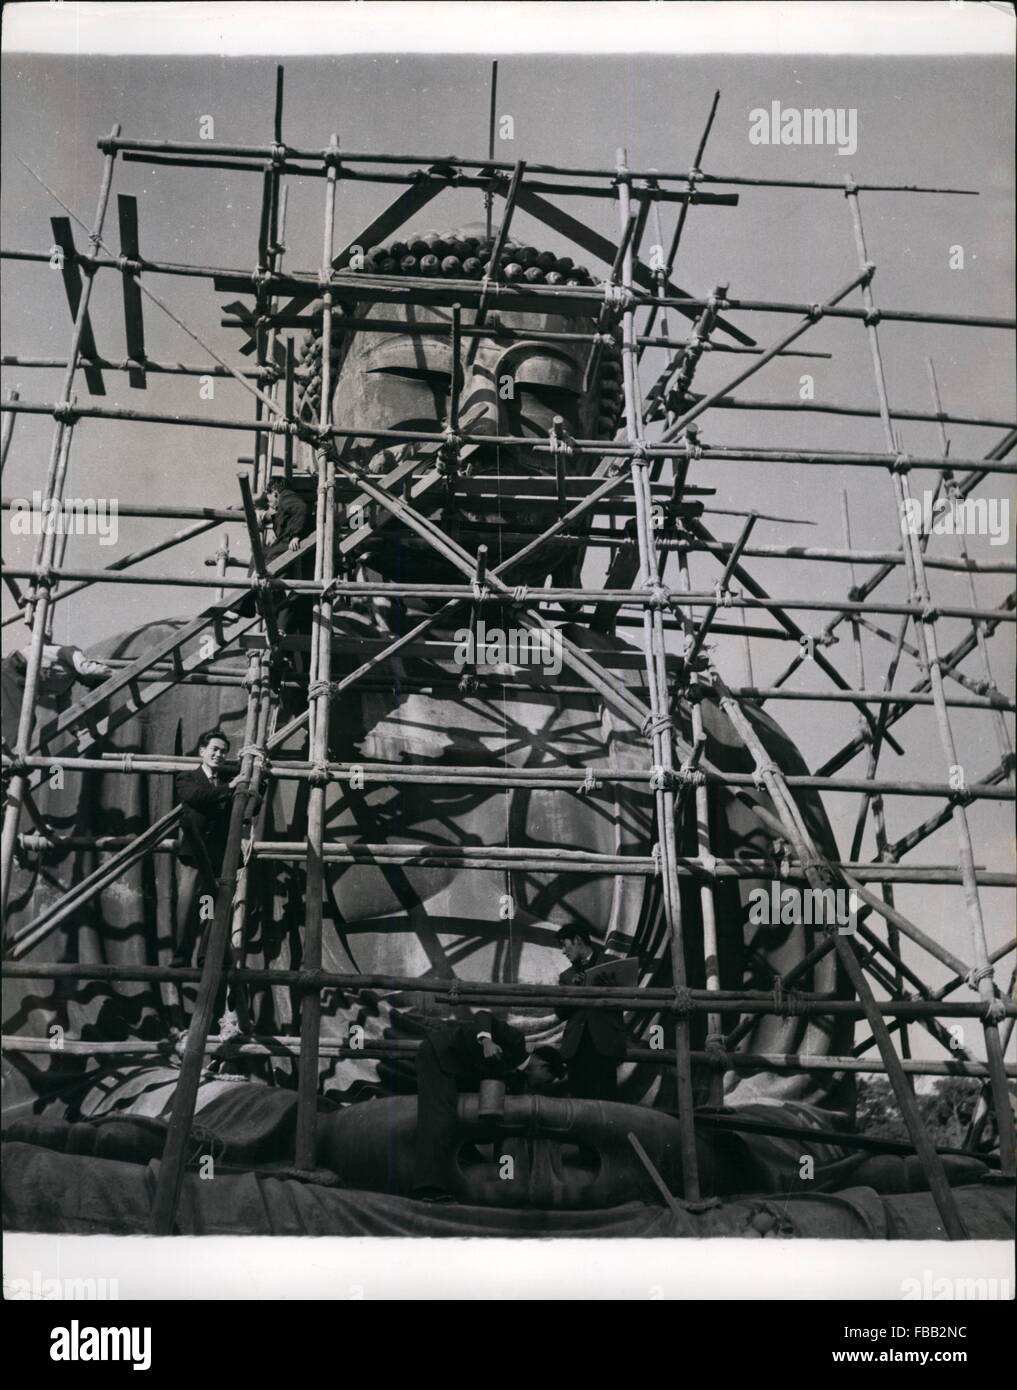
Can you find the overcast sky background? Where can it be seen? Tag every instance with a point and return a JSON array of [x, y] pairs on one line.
[[930, 120]]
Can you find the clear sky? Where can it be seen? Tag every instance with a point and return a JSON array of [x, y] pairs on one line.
[[942, 120]]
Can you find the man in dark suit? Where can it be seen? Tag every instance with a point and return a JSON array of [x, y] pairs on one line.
[[291, 520], [207, 798], [457, 1058], [290, 517], [594, 1039]]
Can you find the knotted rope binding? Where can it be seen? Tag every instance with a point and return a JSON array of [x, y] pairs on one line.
[[761, 772], [589, 783], [652, 726], [617, 297]]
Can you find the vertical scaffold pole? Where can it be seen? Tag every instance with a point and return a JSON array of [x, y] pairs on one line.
[[7, 433], [707, 891], [660, 731], [318, 695], [39, 593], [977, 625], [930, 662], [171, 1169]]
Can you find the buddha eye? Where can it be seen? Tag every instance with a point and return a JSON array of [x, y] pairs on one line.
[[424, 374], [549, 392]]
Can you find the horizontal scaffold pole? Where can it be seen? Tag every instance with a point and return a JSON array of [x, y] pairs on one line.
[[201, 152], [354, 286], [287, 1045], [598, 447], [144, 764], [622, 597], [648, 1000], [56, 846]]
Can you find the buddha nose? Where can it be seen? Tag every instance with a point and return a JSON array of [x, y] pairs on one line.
[[485, 413], [479, 404]]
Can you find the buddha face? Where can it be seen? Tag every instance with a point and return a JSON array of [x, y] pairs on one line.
[[510, 385]]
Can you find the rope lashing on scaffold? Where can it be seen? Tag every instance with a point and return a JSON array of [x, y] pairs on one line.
[[319, 775], [258, 756], [64, 412], [681, 1006], [589, 784], [659, 595], [722, 596], [961, 796], [269, 374], [716, 1053], [995, 1007], [762, 771], [977, 974], [449, 450], [995, 1010], [787, 1003], [618, 297], [318, 690], [560, 441], [653, 725]]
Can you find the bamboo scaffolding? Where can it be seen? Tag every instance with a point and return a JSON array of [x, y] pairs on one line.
[[145, 764], [657, 685], [707, 896], [928, 650], [600, 448], [873, 582], [319, 708], [623, 484], [774, 605], [171, 1169], [353, 286], [647, 1000], [699, 869], [467, 488], [281, 1045], [200, 152], [7, 434], [795, 828], [796, 407], [978, 629], [39, 594]]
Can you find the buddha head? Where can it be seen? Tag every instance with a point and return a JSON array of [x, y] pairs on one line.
[[523, 373]]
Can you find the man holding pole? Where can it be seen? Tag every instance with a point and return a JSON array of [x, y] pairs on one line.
[[594, 1039]]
